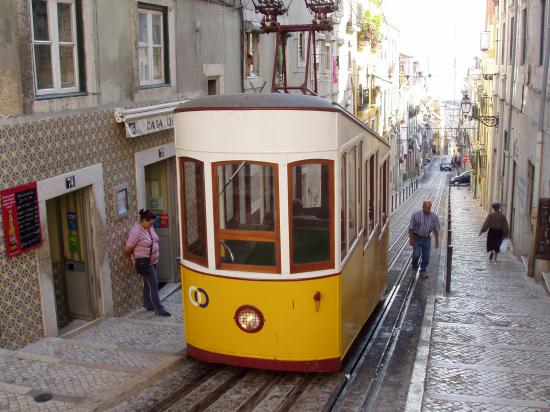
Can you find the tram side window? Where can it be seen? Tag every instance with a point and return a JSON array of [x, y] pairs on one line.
[[246, 216], [352, 198], [194, 211], [370, 190], [384, 193], [343, 201], [311, 224]]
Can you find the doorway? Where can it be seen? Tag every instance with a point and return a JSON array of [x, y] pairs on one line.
[[160, 190], [68, 219]]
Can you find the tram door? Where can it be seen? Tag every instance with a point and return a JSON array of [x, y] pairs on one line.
[[70, 240], [160, 190]]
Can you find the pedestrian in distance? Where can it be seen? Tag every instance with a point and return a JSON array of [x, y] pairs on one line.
[[142, 248], [498, 228], [422, 224]]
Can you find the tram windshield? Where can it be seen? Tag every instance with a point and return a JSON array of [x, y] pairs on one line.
[[246, 214]]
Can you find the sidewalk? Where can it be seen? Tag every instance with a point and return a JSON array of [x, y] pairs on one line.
[[97, 368], [487, 345]]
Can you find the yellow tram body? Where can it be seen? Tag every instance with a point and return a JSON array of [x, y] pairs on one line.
[[298, 309]]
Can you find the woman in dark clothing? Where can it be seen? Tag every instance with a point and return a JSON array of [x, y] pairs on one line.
[[498, 228]]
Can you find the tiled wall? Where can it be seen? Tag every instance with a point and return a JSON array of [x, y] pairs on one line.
[[41, 149]]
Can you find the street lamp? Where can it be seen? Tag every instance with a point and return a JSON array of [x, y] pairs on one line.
[[466, 105]]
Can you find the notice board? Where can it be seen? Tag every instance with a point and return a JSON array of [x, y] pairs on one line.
[[543, 230], [21, 218]]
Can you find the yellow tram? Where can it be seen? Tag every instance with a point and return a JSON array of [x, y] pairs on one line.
[[284, 234]]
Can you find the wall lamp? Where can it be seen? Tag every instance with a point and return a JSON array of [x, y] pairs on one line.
[[466, 106]]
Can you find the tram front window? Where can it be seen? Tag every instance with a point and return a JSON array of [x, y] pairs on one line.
[[246, 215], [311, 216]]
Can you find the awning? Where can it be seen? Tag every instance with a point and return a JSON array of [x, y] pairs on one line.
[[139, 121]]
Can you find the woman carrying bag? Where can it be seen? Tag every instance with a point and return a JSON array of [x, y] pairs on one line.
[[142, 248], [498, 228]]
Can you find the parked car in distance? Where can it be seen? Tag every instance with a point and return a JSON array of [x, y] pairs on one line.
[[445, 165], [463, 178]]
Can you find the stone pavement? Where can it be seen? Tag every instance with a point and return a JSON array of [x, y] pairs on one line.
[[486, 346], [98, 367]]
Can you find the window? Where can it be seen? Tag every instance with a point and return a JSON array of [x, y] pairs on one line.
[[351, 199], [370, 197], [328, 58], [359, 210], [310, 211], [503, 44], [55, 46], [193, 211], [252, 54], [384, 193], [343, 202], [246, 216], [511, 39], [542, 31], [301, 49], [523, 36], [152, 45]]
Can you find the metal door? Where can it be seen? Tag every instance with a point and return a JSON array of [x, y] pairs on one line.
[[160, 189]]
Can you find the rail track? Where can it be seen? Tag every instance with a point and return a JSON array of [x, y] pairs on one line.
[[216, 387]]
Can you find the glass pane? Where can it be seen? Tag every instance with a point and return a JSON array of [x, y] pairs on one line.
[[43, 66], [156, 187], [66, 60], [245, 252], [352, 218], [195, 212], [343, 227], [40, 20], [246, 196], [157, 63], [157, 29], [310, 213], [143, 65], [142, 28], [64, 23]]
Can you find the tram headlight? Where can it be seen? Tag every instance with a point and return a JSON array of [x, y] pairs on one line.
[[249, 319]]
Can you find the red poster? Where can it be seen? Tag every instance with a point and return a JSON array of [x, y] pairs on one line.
[[21, 218], [164, 221]]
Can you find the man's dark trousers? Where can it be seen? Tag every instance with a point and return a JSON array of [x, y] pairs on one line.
[[421, 250]]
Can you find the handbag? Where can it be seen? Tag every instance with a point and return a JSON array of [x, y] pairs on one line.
[[504, 245], [142, 263]]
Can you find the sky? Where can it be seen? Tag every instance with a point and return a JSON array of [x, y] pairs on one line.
[[436, 32]]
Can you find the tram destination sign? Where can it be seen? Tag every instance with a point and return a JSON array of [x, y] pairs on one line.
[[21, 218], [148, 125], [543, 230]]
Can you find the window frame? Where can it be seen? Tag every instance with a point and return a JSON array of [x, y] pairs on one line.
[[54, 43], [247, 235], [310, 267], [252, 47], [149, 10], [542, 30], [524, 16], [383, 197], [371, 182], [185, 252], [301, 50]]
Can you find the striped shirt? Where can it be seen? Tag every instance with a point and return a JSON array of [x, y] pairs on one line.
[[140, 240], [423, 224]]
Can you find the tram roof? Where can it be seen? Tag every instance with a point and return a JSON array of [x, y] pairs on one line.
[[270, 101], [257, 100]]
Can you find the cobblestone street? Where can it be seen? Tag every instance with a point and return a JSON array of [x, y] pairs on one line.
[[97, 368], [489, 341]]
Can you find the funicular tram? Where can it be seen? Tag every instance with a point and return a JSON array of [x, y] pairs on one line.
[[283, 205]]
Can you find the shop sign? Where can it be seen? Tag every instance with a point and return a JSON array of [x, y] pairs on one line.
[[148, 125], [21, 218], [543, 230]]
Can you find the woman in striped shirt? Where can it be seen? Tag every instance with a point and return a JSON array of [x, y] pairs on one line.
[[143, 242]]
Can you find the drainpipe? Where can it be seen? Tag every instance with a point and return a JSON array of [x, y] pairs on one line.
[[505, 184], [537, 186]]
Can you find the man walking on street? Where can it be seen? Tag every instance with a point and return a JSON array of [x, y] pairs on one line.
[[423, 223]]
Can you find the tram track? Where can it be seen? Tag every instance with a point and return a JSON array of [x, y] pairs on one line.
[[217, 387]]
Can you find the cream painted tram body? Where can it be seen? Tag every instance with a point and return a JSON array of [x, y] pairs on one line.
[[283, 205]]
